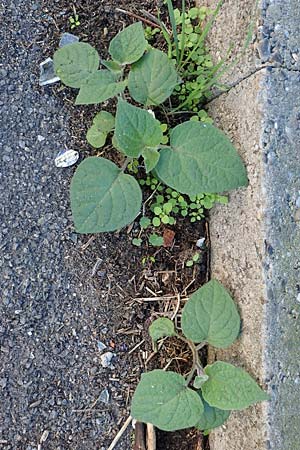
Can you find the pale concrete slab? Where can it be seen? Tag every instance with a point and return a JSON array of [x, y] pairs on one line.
[[256, 238]]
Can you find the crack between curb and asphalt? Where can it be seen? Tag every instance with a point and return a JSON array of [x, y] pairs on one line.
[[248, 76]]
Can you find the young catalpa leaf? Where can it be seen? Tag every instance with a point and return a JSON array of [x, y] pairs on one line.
[[95, 137], [152, 79], [74, 63], [103, 198], [112, 66], [200, 159], [100, 86], [136, 129], [129, 45], [163, 399], [212, 417], [105, 121], [211, 316], [151, 157], [160, 328], [230, 387], [199, 380]]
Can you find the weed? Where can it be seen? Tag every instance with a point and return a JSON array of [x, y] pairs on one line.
[[206, 396]]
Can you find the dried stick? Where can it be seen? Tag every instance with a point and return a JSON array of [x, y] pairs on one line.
[[131, 14], [151, 437], [139, 442], [120, 433]]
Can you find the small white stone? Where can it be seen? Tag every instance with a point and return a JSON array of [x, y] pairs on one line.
[[106, 359], [40, 138], [66, 158], [200, 242], [298, 298]]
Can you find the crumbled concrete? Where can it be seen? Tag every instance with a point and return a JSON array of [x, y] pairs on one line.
[[255, 238]]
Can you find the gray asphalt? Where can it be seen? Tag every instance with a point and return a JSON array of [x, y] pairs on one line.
[[50, 320]]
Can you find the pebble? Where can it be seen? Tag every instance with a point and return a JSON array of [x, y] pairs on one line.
[[101, 346], [68, 38], [106, 360], [66, 158], [104, 396], [200, 242]]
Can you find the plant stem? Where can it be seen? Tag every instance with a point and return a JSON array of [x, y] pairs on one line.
[[125, 164], [197, 366]]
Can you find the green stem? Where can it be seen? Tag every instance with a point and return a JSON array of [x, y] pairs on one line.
[[197, 366], [125, 164]]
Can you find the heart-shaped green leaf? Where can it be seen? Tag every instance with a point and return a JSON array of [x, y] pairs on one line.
[[103, 198], [230, 387], [200, 159], [163, 399], [212, 417], [129, 45], [211, 316], [74, 63], [162, 327], [152, 79], [136, 129], [151, 157], [100, 86]]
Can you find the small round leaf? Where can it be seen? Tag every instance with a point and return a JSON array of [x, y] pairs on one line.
[[95, 137], [162, 327]]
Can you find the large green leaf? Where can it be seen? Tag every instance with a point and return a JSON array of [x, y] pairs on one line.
[[212, 417], [211, 316], [200, 159], [103, 198], [74, 63], [129, 45], [100, 86], [163, 399], [136, 129], [162, 327], [152, 79], [230, 387]]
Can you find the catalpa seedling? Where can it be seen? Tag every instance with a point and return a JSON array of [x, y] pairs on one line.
[[206, 397], [197, 158]]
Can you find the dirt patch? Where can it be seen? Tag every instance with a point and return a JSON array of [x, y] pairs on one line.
[[124, 294]]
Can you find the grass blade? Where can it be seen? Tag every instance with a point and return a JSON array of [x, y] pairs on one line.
[[174, 27], [182, 42]]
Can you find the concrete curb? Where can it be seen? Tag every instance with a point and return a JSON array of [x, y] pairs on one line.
[[254, 238]]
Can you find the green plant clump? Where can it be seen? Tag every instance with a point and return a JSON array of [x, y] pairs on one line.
[[193, 157], [206, 397]]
